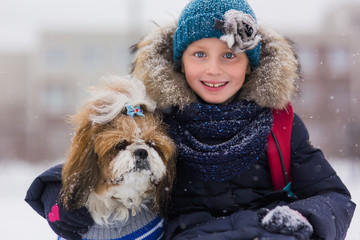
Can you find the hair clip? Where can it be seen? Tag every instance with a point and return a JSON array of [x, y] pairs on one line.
[[131, 111]]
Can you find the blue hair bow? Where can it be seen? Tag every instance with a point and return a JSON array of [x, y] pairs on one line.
[[131, 111]]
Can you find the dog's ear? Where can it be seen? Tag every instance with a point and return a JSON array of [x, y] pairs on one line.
[[81, 172], [161, 200], [163, 190]]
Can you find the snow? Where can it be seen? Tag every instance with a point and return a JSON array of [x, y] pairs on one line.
[[19, 221]]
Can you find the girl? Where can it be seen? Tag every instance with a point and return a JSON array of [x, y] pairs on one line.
[[221, 83]]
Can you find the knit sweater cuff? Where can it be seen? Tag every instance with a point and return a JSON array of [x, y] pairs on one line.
[[144, 223]]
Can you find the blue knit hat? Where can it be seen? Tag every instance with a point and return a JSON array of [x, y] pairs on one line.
[[232, 21]]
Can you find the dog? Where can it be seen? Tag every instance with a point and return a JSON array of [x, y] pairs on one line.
[[121, 163]]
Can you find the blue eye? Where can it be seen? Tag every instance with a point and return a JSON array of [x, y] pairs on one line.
[[229, 55], [199, 54]]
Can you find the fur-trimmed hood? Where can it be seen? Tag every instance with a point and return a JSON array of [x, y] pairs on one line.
[[270, 85]]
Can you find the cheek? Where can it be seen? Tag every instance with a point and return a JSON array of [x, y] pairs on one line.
[[190, 75], [240, 79], [193, 71], [122, 163], [190, 80], [238, 75]]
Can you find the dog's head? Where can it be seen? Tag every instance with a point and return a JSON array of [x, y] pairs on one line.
[[121, 153]]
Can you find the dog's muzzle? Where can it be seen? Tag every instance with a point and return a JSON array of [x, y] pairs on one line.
[[142, 164]]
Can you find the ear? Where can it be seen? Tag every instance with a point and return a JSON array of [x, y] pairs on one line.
[[161, 198], [248, 69], [81, 172], [182, 67], [163, 190]]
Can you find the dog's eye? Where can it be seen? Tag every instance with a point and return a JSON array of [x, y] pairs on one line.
[[151, 144], [121, 145]]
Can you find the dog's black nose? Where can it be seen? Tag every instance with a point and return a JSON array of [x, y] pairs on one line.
[[141, 159], [141, 153]]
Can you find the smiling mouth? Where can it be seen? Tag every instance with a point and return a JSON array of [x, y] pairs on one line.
[[214, 85]]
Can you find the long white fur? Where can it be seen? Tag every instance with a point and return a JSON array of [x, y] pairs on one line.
[[115, 101]]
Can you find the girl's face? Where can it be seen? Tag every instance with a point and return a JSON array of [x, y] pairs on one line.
[[213, 71]]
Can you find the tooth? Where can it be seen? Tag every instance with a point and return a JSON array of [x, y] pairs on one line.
[[214, 85]]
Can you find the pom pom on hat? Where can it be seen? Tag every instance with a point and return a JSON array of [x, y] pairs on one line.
[[232, 21]]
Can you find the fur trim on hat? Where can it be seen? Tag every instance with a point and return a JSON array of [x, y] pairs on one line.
[[272, 84]]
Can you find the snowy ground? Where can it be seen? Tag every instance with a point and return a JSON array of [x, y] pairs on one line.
[[19, 221]]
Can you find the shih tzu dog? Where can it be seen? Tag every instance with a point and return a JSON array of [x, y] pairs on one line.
[[121, 162]]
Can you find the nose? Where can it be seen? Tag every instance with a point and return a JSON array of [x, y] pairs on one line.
[[141, 153], [141, 161], [214, 67]]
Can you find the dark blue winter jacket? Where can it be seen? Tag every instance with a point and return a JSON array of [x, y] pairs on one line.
[[226, 210]]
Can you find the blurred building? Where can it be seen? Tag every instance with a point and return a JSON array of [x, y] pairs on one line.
[[43, 87], [65, 64], [39, 89], [13, 94], [330, 90]]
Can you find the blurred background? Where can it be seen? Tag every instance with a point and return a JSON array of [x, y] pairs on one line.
[[52, 50]]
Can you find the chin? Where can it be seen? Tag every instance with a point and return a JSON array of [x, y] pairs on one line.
[[217, 99], [119, 164]]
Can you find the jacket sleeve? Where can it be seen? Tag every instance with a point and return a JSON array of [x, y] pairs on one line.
[[323, 198], [38, 187]]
